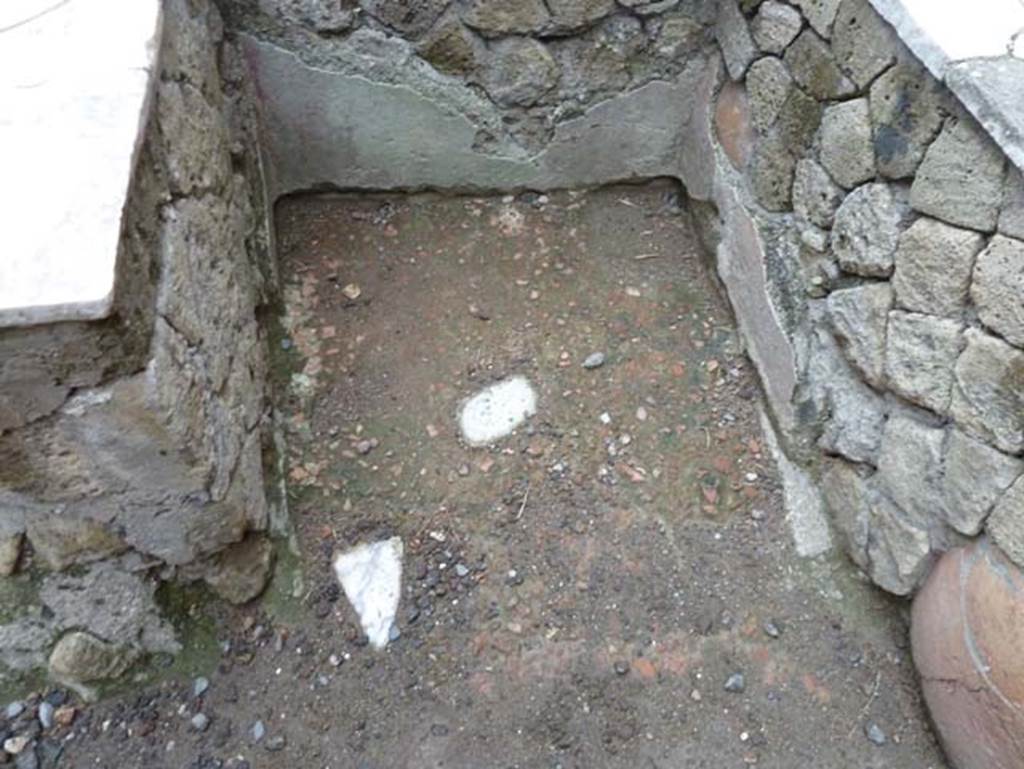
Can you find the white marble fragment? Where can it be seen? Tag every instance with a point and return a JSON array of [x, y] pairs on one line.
[[371, 576], [496, 411]]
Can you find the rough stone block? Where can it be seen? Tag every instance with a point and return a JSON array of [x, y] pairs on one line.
[[452, 49], [798, 120], [976, 476], [998, 288], [81, 658], [734, 39], [933, 267], [846, 148], [1006, 524], [856, 418], [768, 86], [241, 572], [812, 65], [859, 317], [61, 539], [1011, 215], [892, 549], [920, 353], [521, 72], [965, 632], [775, 26], [863, 44], [910, 470], [820, 14], [988, 398], [815, 196], [497, 18], [960, 179], [867, 229], [907, 109], [771, 172]]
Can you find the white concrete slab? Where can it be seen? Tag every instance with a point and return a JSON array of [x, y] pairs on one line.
[[74, 85], [496, 411], [371, 576]]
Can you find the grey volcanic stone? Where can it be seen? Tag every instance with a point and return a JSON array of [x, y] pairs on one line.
[[863, 44], [847, 151], [920, 353], [960, 179], [856, 418], [892, 548], [241, 572], [771, 172], [820, 14], [410, 17], [496, 18], [63, 538], [25, 642], [112, 604], [775, 26], [451, 48], [521, 72], [998, 288], [812, 65], [798, 120], [567, 15], [1006, 524], [988, 398], [734, 39], [910, 467], [976, 476], [324, 16], [815, 196], [859, 317], [1011, 215], [81, 658], [933, 267], [907, 112], [866, 230], [768, 87]]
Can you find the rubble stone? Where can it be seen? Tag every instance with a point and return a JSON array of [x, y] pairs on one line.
[[920, 353], [866, 231], [960, 179], [998, 288], [988, 397], [933, 267], [847, 152]]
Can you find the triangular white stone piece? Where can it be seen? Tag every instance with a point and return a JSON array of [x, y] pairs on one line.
[[371, 576]]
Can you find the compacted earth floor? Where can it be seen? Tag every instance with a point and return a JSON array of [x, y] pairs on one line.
[[612, 585]]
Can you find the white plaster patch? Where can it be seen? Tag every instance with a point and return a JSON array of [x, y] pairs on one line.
[[496, 411], [371, 576], [805, 511]]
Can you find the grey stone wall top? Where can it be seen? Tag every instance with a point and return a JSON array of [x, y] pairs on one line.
[[977, 49]]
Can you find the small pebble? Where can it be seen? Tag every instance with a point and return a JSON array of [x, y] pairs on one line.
[[594, 360], [200, 722], [735, 683], [258, 731], [621, 667], [461, 569], [199, 686], [14, 710], [335, 661], [606, 418], [695, 695], [45, 714], [277, 743], [15, 745], [875, 734], [771, 629]]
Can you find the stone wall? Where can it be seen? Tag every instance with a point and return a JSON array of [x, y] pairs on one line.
[[131, 449], [885, 226]]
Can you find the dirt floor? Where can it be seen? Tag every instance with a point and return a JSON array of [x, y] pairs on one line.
[[613, 585]]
